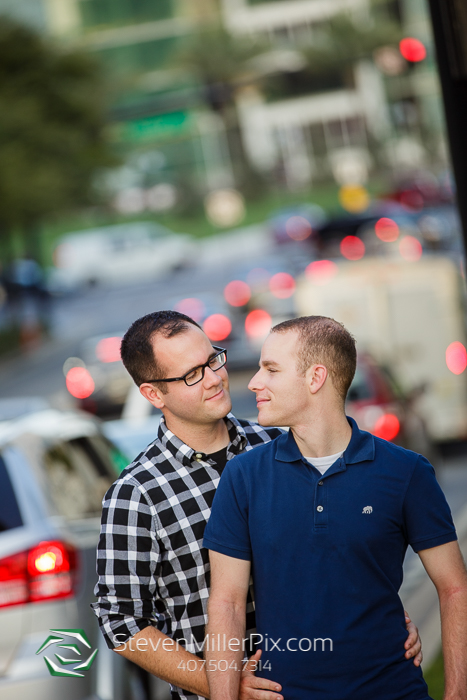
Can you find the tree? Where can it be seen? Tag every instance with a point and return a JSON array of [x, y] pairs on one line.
[[222, 63], [343, 41], [52, 130]]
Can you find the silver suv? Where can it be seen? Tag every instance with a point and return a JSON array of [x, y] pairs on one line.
[[54, 469]]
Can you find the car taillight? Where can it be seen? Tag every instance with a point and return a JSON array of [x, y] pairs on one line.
[[44, 572], [387, 427]]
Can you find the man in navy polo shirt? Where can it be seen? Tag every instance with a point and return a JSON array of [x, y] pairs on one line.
[[322, 517]]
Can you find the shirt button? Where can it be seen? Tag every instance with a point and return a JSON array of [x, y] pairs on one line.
[[198, 455], [320, 509], [320, 483]]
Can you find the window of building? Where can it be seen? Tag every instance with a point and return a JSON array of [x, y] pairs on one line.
[[97, 13], [143, 56]]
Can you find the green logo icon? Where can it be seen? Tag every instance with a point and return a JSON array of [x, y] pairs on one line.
[[58, 637]]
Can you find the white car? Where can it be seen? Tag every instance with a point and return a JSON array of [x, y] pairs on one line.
[[118, 254]]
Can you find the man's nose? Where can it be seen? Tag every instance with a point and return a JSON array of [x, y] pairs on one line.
[[211, 378], [255, 382]]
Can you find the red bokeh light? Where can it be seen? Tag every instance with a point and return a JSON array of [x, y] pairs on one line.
[[108, 349], [282, 285], [410, 249], [352, 248], [258, 323], [456, 358], [237, 293], [321, 271], [387, 427], [194, 308], [217, 327], [387, 230], [79, 382], [298, 228], [412, 49]]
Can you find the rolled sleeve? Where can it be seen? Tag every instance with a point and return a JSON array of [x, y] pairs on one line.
[[427, 516], [227, 529], [127, 561]]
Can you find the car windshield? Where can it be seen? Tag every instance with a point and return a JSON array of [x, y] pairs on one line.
[[360, 389]]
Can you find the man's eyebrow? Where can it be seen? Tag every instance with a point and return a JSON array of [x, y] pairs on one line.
[[268, 363], [213, 354]]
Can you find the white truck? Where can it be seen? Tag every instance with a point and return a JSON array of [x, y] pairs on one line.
[[406, 314]]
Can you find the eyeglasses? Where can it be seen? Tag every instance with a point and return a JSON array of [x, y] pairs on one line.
[[196, 374]]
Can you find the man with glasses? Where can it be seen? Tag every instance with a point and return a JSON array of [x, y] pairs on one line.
[[153, 570]]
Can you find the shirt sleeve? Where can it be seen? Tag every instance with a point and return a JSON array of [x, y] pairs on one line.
[[127, 561], [427, 516], [227, 529]]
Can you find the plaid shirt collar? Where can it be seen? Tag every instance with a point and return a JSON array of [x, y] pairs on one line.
[[189, 457]]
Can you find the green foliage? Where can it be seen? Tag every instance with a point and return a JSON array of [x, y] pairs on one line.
[[52, 124], [434, 678], [214, 55], [343, 40]]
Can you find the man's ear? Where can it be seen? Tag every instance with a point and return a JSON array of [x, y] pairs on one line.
[[316, 376], [153, 395]]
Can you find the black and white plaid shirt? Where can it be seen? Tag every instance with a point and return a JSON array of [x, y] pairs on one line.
[[152, 567]]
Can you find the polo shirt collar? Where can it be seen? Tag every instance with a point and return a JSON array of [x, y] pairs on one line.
[[361, 447], [187, 456]]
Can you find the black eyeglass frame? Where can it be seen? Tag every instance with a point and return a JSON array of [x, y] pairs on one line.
[[202, 367]]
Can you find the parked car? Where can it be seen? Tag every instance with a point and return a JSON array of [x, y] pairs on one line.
[[96, 377], [133, 436], [118, 254], [333, 231], [380, 406], [54, 469]]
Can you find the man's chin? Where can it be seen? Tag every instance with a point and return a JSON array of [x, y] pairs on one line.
[[226, 406], [264, 420]]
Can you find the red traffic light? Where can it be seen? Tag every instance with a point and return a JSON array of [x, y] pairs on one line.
[[412, 50]]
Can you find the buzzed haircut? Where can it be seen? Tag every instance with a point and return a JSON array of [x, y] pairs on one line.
[[324, 341], [136, 350]]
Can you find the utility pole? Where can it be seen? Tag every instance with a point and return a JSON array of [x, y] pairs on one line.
[[449, 20]]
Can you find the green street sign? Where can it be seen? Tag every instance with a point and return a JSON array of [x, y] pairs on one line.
[[158, 128]]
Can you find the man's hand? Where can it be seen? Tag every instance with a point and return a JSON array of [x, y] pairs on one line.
[[413, 643], [253, 688]]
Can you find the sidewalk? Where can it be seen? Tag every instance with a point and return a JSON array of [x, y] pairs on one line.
[[418, 592]]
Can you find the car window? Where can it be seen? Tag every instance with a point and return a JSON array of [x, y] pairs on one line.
[[10, 516], [394, 386], [361, 388], [107, 457], [78, 477]]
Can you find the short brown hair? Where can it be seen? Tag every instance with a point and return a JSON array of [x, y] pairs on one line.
[[136, 350], [324, 341]]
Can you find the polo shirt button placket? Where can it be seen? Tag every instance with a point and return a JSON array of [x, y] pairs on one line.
[[321, 514]]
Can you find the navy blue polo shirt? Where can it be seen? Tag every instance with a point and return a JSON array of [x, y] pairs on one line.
[[326, 554]]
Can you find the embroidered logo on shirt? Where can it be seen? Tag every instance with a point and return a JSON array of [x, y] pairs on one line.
[[367, 510]]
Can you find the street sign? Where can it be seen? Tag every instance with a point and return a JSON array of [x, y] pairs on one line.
[[157, 128]]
